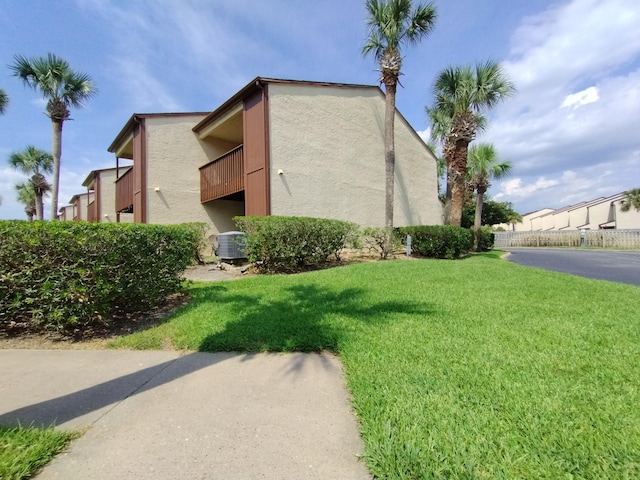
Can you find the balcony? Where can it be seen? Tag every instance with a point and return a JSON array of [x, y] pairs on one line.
[[223, 176], [124, 192]]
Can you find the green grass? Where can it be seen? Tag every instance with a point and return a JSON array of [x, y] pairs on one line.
[[459, 369], [24, 450]]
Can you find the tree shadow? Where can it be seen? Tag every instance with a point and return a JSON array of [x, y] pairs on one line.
[[303, 317]]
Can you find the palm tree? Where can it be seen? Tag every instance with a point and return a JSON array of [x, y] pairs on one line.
[[393, 24], [462, 94], [27, 196], [4, 101], [34, 162], [62, 88], [631, 199], [483, 166]]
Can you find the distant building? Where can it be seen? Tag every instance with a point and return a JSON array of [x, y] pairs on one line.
[[600, 213]]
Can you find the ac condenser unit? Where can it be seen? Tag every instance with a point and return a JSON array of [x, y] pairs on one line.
[[231, 246]]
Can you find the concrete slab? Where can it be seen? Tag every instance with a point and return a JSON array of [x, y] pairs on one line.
[[197, 416]]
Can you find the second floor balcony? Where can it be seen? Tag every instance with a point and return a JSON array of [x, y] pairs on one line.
[[223, 176]]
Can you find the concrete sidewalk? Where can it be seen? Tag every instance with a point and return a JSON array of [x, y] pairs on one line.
[[163, 415]]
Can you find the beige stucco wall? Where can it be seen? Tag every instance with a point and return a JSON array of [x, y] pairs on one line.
[[82, 203], [174, 155], [67, 212], [531, 221], [600, 213], [329, 144], [108, 196], [630, 219]]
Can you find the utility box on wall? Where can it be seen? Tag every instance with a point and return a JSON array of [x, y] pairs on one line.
[[231, 246]]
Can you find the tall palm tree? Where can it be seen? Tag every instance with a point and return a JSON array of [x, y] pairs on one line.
[[393, 24], [62, 88], [27, 196], [631, 199], [34, 162], [483, 166], [463, 94], [4, 101]]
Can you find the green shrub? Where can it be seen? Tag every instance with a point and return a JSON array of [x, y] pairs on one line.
[[382, 240], [438, 241], [486, 239], [290, 243], [66, 274]]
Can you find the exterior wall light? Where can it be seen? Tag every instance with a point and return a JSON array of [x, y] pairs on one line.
[[157, 189], [280, 171]]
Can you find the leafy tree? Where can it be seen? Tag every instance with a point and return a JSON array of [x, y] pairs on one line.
[[631, 199], [483, 166], [4, 101], [34, 162], [393, 24], [461, 96], [27, 196], [62, 88], [493, 213]]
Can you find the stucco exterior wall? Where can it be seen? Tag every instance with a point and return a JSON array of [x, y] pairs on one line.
[[107, 196], [630, 219], [329, 144], [600, 213], [174, 155], [81, 204]]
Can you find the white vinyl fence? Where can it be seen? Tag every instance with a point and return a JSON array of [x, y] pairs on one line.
[[553, 238]]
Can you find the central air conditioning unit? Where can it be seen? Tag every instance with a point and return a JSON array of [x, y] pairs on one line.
[[231, 246]]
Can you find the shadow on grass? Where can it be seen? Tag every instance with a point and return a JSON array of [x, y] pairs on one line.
[[301, 317]]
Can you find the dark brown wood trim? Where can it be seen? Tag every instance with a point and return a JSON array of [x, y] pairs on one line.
[[267, 148]]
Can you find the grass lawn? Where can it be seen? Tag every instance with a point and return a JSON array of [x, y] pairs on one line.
[[459, 369], [24, 450]]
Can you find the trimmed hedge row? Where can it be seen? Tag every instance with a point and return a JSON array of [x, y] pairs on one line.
[[65, 274], [278, 243], [438, 241]]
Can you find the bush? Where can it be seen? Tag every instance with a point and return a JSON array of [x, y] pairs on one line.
[[438, 241], [382, 240], [290, 243], [67, 274], [486, 239]]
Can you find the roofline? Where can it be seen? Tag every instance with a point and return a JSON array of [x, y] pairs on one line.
[[259, 82], [137, 117], [92, 174]]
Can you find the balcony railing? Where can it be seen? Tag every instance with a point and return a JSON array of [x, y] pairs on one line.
[[222, 176], [124, 191]]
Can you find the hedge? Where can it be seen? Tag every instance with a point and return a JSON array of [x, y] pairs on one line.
[[277, 243], [438, 241], [66, 274]]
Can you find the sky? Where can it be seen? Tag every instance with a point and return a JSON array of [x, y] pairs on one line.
[[571, 132]]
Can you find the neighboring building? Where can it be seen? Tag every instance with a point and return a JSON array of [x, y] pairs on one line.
[[103, 185], [80, 206], [65, 213], [600, 213], [277, 147]]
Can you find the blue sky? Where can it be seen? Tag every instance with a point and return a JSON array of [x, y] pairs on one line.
[[571, 131]]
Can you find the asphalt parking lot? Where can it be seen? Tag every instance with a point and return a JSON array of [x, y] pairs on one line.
[[615, 266]]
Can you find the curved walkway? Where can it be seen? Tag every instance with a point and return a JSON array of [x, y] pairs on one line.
[[165, 415]]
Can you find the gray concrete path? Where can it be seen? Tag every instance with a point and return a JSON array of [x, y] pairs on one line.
[[615, 266], [163, 415]]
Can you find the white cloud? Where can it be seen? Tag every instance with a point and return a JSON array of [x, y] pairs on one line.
[[585, 97]]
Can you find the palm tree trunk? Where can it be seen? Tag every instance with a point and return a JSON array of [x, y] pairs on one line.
[[477, 223], [459, 172], [389, 151], [56, 152], [39, 207], [447, 199]]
